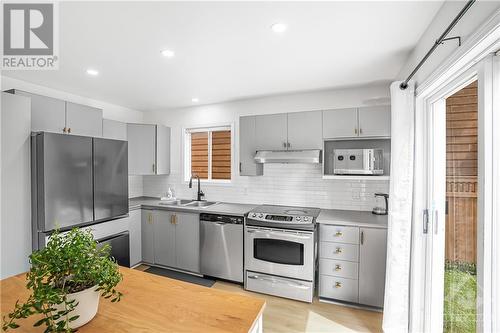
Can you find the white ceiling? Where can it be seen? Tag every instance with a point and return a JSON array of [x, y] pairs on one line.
[[226, 50]]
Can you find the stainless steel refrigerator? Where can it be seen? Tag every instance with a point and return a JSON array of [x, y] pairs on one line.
[[76, 181]]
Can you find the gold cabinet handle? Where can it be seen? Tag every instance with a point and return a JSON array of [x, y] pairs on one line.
[[355, 131], [338, 285], [65, 130], [69, 130], [153, 167], [150, 218], [360, 131], [338, 234], [337, 268], [338, 250], [172, 219]]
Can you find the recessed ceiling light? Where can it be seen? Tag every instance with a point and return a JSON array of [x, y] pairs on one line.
[[279, 27], [195, 100], [92, 72], [168, 53]]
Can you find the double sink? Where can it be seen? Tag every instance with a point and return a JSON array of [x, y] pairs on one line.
[[188, 203]]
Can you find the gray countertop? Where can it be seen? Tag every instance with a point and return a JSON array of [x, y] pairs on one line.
[[352, 217], [219, 208], [327, 216]]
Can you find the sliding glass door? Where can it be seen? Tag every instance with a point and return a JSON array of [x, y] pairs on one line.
[[461, 155]]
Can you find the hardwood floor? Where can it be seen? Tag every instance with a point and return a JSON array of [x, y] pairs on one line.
[[284, 315]]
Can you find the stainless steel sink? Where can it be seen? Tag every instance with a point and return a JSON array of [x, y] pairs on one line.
[[181, 202], [201, 204]]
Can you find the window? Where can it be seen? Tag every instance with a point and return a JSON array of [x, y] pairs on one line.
[[208, 153]]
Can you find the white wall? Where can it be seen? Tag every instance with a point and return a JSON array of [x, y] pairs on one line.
[[473, 19], [295, 184], [110, 111]]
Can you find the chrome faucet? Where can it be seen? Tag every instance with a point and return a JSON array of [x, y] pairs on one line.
[[200, 193]]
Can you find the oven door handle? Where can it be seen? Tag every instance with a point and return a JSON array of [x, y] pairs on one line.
[[288, 283], [279, 234]]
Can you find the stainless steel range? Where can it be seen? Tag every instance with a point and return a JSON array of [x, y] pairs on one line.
[[280, 251]]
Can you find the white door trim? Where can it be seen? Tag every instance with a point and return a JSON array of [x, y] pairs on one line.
[[476, 48]]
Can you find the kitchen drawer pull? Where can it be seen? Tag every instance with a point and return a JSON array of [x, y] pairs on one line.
[[338, 268], [338, 234], [288, 283], [338, 250], [338, 285]]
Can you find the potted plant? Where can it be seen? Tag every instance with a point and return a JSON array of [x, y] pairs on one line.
[[65, 279]]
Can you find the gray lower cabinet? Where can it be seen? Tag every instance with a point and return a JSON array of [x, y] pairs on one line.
[[134, 227], [372, 262], [248, 148], [147, 236], [164, 238], [171, 239], [187, 241], [352, 264]]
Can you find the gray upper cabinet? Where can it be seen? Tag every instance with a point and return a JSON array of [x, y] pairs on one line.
[[304, 130], [112, 129], [162, 150], [164, 238], [271, 131], [187, 241], [148, 149], [83, 120], [47, 114], [147, 236], [372, 261], [340, 123], [375, 121], [248, 147], [55, 115]]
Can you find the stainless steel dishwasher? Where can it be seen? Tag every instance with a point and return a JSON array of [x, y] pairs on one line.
[[221, 246]]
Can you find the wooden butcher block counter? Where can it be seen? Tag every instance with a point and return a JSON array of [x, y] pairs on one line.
[[152, 303]]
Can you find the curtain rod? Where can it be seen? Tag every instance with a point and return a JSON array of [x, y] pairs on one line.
[[438, 42]]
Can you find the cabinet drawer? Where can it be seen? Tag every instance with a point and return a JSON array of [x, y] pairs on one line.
[[339, 251], [338, 288], [339, 234], [339, 268]]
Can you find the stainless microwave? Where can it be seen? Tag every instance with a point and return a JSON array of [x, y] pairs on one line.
[[358, 161]]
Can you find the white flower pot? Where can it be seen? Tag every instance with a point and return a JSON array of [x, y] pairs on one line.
[[88, 302]]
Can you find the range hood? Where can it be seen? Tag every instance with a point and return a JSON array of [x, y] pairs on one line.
[[288, 156]]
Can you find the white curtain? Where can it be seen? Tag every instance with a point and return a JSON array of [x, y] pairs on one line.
[[397, 281]]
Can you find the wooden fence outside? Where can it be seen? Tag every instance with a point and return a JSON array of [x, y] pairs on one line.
[[461, 175]]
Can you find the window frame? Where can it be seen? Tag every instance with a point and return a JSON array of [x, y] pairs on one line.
[[186, 159]]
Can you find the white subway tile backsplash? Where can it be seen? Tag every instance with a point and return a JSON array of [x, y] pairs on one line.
[[135, 186], [281, 184]]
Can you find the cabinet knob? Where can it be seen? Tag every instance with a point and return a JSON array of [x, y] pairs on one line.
[[65, 130], [338, 268], [360, 131], [338, 285], [338, 250], [355, 131], [69, 130], [338, 234]]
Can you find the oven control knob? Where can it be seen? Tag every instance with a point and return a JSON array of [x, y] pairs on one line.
[[297, 218], [306, 219], [261, 216], [254, 215]]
